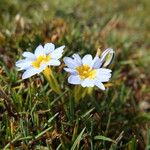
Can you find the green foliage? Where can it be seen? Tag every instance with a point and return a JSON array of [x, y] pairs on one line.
[[76, 118]]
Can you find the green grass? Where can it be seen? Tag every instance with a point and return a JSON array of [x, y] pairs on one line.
[[35, 117]]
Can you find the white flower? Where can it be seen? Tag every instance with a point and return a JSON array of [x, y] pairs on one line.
[[87, 71], [36, 62]]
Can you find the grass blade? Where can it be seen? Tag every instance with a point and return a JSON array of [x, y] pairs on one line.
[[78, 139]]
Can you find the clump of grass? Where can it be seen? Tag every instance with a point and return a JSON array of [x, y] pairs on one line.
[[35, 117]]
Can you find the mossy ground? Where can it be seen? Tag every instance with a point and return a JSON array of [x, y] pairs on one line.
[[115, 119]]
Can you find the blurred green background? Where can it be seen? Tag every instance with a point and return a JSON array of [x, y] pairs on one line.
[[83, 26]]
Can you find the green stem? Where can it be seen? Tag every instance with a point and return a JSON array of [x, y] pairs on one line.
[[52, 80]]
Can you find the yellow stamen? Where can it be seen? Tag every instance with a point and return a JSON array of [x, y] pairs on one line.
[[86, 72], [42, 59]]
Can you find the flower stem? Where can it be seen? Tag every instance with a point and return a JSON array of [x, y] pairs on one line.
[[80, 92], [52, 80]]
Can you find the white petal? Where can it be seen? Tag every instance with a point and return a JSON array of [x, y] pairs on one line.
[[74, 79], [39, 51], [103, 75], [49, 47], [104, 78], [29, 55], [96, 63], [23, 64], [100, 85], [77, 59], [57, 53], [29, 72], [54, 62], [42, 67], [87, 60], [87, 83], [104, 70], [70, 62], [72, 71], [20, 62], [107, 56]]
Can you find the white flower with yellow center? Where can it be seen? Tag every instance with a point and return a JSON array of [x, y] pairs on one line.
[[36, 62], [87, 71]]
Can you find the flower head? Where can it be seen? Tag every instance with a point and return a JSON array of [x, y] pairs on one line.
[[107, 57], [36, 62], [86, 71]]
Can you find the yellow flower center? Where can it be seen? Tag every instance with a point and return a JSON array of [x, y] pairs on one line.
[[42, 59], [86, 72]]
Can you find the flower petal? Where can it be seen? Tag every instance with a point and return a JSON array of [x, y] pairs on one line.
[[104, 77], [29, 55], [42, 67], [29, 72], [39, 51], [97, 63], [74, 79], [54, 62], [72, 71], [23, 64], [70, 62], [104, 70], [77, 59], [100, 85], [87, 60], [49, 47], [57, 53], [87, 83]]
